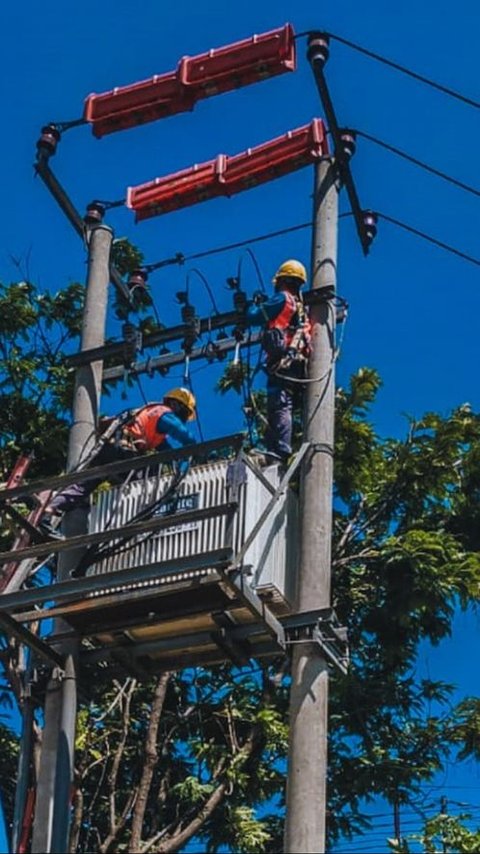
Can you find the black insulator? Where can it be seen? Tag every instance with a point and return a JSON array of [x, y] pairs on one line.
[[222, 336], [210, 351], [49, 140], [137, 279], [133, 342], [349, 144], [370, 220], [188, 313], [95, 213], [318, 49], [240, 300], [233, 283]]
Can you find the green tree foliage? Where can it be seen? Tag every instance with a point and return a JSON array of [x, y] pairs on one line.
[[36, 330], [442, 833]]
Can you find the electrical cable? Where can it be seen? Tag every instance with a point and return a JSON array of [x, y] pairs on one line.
[[207, 286], [100, 552], [430, 239], [140, 387], [249, 252], [180, 259], [190, 385], [408, 71], [418, 162]]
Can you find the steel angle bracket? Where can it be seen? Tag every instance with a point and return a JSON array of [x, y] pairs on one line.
[[321, 627], [38, 646]]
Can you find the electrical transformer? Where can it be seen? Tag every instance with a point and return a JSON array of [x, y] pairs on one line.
[[269, 563]]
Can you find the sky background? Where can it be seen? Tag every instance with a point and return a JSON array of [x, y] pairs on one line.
[[413, 307]]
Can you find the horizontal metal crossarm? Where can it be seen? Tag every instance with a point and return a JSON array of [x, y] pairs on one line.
[[170, 359], [237, 561], [122, 533], [235, 441], [172, 333], [160, 336], [13, 627], [112, 582]]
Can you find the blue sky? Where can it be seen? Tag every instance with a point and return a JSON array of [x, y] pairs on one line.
[[413, 308]]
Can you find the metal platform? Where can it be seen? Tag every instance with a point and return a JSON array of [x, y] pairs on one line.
[[153, 619]]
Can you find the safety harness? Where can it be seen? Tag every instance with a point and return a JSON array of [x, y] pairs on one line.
[[286, 340]]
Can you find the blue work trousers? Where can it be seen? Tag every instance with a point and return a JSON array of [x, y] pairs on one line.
[[281, 398]]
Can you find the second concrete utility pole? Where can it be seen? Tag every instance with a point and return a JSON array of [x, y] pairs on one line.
[[307, 762]]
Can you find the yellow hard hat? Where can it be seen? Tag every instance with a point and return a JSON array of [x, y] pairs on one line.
[[185, 397], [291, 268]]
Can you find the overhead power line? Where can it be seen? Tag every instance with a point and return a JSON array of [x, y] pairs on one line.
[[430, 239], [418, 162], [428, 82], [386, 217], [180, 259]]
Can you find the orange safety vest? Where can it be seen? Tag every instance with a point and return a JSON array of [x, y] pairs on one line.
[[293, 310], [143, 429]]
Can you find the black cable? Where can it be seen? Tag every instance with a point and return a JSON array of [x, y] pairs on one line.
[[439, 86], [430, 239], [420, 163], [238, 245], [99, 552], [190, 385], [140, 388], [207, 286], [241, 243], [255, 264]]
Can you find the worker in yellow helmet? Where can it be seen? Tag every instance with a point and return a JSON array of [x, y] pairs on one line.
[[155, 426], [286, 344]]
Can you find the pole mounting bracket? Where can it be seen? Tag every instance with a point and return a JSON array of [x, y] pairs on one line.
[[323, 628]]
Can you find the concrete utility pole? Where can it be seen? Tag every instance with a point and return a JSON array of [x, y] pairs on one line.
[[50, 830], [307, 765]]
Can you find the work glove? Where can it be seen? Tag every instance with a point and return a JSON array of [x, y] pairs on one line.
[[259, 297]]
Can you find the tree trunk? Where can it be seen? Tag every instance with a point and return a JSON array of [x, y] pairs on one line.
[[151, 759]]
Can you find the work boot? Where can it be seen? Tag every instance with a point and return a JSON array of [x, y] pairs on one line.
[[48, 525], [265, 458]]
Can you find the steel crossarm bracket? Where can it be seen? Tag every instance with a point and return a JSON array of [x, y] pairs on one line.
[[42, 168], [238, 559], [168, 360], [255, 605], [43, 650], [321, 627], [257, 472], [343, 165]]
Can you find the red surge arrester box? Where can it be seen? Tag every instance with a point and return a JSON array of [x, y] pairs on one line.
[[225, 176], [219, 70]]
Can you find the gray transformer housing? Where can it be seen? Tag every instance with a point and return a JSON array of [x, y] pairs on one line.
[[270, 562]]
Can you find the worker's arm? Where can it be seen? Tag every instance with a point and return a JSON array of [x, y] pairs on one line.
[[175, 429], [259, 314]]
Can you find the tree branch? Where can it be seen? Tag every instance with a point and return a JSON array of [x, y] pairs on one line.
[[151, 759], [112, 777]]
